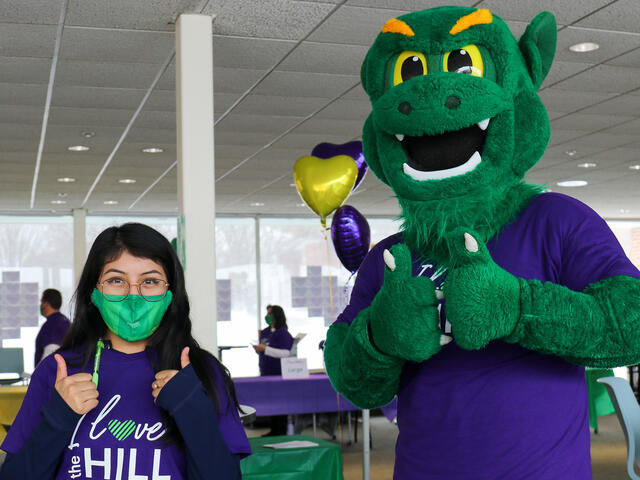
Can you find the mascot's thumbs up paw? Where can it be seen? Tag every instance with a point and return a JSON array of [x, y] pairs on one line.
[[404, 318], [483, 300]]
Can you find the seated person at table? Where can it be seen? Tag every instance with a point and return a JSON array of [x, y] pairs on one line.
[[275, 343], [54, 329], [130, 394]]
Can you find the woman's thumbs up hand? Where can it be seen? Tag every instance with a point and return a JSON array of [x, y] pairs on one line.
[[163, 376], [78, 391]]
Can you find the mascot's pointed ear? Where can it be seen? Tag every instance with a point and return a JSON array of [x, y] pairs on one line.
[[538, 46]]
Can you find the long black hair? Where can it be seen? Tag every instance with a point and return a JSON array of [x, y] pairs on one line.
[[279, 318], [173, 334]]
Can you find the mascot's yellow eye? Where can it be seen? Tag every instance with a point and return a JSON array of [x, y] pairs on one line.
[[464, 60], [408, 65]]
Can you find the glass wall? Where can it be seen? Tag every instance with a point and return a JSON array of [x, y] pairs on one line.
[[299, 270], [35, 253]]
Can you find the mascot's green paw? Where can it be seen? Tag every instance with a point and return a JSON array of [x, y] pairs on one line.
[[404, 316], [482, 299]]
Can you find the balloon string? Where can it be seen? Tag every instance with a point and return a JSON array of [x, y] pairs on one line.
[[326, 241]]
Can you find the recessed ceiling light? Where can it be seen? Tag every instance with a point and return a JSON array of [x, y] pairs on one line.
[[572, 183], [625, 210], [584, 47], [300, 204], [58, 202], [587, 165], [634, 167], [63, 195], [257, 204], [127, 180], [153, 150], [110, 202], [571, 153], [292, 184], [88, 134], [78, 148], [66, 179]]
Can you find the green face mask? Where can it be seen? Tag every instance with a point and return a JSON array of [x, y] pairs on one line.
[[133, 318], [269, 320]]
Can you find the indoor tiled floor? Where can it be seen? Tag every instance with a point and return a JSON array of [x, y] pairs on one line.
[[608, 450]]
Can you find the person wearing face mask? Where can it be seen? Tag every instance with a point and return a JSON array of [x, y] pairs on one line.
[[54, 329], [275, 343], [130, 394]]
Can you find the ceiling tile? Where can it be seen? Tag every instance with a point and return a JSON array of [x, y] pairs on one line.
[[23, 70], [27, 40], [286, 19], [603, 78], [125, 14], [116, 46], [249, 53], [620, 15], [612, 44], [525, 10], [325, 58], [300, 84]]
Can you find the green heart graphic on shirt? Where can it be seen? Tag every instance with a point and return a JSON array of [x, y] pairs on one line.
[[121, 430]]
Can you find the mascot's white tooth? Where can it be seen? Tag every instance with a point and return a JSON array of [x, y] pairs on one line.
[[470, 243], [399, 136], [444, 339], [484, 123], [439, 294], [389, 260], [467, 166]]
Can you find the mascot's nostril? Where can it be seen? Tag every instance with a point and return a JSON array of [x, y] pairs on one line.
[[405, 108], [452, 102]]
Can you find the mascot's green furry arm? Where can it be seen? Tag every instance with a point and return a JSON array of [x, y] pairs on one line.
[[454, 69]]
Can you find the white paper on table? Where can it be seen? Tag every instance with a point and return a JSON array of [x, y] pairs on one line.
[[292, 444]]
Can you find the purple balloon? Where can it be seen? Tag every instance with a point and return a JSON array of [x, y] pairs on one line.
[[351, 149], [351, 236]]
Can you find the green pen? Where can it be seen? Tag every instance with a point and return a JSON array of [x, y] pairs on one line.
[[96, 363]]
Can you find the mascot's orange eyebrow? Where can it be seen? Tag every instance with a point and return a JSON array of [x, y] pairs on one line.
[[476, 18], [397, 26]]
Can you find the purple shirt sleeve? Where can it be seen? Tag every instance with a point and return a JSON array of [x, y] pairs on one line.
[[590, 250], [368, 281]]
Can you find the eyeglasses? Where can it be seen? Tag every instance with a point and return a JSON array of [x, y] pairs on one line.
[[117, 289]]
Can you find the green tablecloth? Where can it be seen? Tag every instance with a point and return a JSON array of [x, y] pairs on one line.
[[599, 401], [312, 463]]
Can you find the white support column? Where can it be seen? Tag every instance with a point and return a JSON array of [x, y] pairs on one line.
[[79, 242], [196, 180]]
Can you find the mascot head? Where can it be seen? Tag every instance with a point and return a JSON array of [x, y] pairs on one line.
[[456, 121]]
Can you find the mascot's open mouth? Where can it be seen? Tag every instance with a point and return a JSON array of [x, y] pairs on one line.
[[434, 157]]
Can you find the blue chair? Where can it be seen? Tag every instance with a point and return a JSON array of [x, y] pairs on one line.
[[628, 412], [11, 365]]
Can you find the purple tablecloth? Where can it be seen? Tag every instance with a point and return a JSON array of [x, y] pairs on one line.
[[272, 395]]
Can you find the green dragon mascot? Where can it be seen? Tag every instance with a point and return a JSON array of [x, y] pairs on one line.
[[534, 284]]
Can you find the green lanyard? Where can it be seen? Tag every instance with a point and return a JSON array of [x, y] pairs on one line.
[[96, 363]]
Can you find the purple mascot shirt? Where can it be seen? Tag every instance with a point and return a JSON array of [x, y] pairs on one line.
[[122, 438], [51, 332], [278, 338], [503, 412]]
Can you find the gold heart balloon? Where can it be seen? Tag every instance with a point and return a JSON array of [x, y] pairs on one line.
[[324, 183]]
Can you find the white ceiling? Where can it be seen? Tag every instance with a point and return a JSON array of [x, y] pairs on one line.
[[286, 78]]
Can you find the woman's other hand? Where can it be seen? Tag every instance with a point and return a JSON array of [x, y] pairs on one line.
[[163, 377], [260, 348]]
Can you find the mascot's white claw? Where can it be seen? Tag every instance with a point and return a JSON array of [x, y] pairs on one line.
[[389, 260], [439, 294], [470, 243], [444, 339]]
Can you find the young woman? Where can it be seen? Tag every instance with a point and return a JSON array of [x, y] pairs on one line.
[[130, 394], [275, 343]]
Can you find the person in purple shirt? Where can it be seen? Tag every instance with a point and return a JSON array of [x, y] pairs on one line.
[[130, 394], [482, 313], [275, 343], [54, 329]]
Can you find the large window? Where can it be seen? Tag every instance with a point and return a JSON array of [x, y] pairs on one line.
[[237, 294], [35, 253]]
